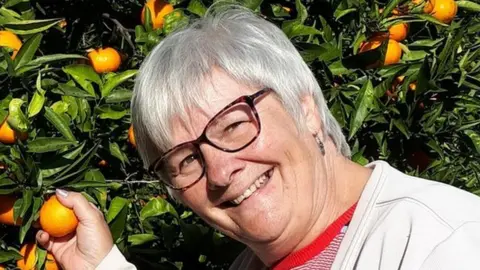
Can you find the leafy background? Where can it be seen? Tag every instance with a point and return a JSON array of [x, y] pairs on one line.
[[76, 118]]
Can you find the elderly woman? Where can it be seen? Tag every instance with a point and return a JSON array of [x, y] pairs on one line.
[[231, 119]]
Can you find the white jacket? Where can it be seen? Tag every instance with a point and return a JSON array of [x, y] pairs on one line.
[[401, 222]]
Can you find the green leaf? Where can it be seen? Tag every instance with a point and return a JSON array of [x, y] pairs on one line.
[[27, 51], [16, 118], [61, 161], [116, 206], [118, 96], [157, 207], [28, 27], [83, 75], [111, 112], [363, 104], [116, 80], [423, 77], [59, 123], [475, 138], [197, 7], [9, 255], [340, 13], [140, 239], [42, 60], [251, 4], [118, 225], [116, 152], [65, 89], [400, 124], [27, 201], [36, 103], [468, 5], [37, 203], [430, 18], [44, 144]]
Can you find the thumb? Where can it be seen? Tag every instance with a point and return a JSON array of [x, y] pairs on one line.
[[80, 206]]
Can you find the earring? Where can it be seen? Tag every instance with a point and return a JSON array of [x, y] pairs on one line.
[[321, 146]]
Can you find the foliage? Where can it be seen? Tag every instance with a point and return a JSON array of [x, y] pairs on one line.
[[76, 118]]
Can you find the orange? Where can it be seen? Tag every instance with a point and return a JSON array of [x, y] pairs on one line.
[[444, 10], [9, 136], [2, 267], [6, 210], [428, 5], [398, 31], [29, 260], [158, 10], [131, 136], [105, 60], [394, 51], [103, 163], [412, 86], [10, 40], [56, 219]]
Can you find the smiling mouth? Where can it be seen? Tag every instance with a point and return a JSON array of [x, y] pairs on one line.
[[257, 185]]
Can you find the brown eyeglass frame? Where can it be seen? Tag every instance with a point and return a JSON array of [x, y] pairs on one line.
[[250, 101]]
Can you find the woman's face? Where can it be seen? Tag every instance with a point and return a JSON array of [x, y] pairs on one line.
[[282, 163]]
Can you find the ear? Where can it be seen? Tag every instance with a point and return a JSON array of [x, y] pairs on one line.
[[311, 114]]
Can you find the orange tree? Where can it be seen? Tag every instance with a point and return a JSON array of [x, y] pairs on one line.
[[401, 77]]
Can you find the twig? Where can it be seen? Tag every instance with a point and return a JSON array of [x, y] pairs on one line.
[[124, 31]]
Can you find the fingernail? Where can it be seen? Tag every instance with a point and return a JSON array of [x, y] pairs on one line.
[[62, 192]]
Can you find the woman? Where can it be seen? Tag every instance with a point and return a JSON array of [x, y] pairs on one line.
[[229, 116]]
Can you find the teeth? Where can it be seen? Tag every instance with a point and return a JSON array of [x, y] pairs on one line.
[[254, 187]]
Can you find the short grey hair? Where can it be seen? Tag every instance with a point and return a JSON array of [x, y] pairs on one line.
[[249, 49]]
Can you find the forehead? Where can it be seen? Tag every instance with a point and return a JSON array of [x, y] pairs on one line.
[[218, 91]]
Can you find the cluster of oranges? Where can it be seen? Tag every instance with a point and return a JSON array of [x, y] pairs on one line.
[[442, 10], [54, 218]]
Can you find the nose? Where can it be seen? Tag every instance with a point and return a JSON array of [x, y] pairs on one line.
[[221, 167]]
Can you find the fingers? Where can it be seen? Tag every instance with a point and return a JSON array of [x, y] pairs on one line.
[[44, 240], [82, 208]]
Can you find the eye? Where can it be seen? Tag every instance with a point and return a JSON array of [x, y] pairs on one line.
[[233, 126], [188, 160]]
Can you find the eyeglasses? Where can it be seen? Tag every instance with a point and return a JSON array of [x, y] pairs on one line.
[[232, 129]]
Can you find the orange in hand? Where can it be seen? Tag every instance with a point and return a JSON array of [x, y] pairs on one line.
[[105, 60], [6, 210], [28, 251], [9, 136], [56, 219], [158, 10], [10, 40]]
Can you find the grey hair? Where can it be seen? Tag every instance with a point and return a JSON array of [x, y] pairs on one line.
[[249, 49]]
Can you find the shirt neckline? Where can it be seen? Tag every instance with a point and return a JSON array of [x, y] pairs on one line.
[[305, 254]]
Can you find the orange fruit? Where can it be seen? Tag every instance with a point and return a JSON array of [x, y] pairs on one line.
[[398, 31], [56, 219], [29, 260], [9, 136], [412, 86], [444, 10], [428, 5], [2, 267], [6, 210], [158, 10], [51, 263], [131, 136], [28, 251], [394, 51], [10, 40], [103, 163], [105, 60]]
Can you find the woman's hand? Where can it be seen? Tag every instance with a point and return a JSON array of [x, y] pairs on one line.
[[92, 241]]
